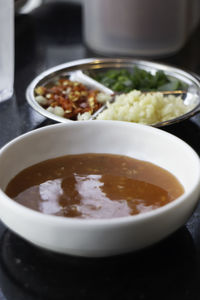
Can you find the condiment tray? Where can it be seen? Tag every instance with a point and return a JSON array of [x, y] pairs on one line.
[[80, 70]]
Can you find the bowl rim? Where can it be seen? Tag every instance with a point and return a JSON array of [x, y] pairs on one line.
[[104, 222]]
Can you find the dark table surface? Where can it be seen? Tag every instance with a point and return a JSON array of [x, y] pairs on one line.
[[50, 35]]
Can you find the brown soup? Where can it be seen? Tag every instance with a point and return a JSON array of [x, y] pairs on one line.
[[94, 186]]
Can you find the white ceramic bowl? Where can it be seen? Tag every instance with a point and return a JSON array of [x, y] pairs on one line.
[[103, 237]]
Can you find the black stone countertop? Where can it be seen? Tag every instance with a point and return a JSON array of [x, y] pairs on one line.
[[50, 35]]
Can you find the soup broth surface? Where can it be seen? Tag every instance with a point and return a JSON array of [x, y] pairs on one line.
[[94, 186]]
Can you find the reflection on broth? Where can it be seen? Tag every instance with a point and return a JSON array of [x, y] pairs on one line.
[[94, 186]]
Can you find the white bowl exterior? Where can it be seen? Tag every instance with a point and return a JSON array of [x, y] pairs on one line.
[[99, 237]]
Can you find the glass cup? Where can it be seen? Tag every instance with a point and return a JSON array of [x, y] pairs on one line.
[[6, 48]]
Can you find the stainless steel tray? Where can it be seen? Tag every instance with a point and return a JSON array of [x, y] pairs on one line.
[[76, 70]]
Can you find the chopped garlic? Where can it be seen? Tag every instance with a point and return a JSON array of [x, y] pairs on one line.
[[40, 90], [48, 96], [84, 117], [50, 109], [59, 111], [41, 100]]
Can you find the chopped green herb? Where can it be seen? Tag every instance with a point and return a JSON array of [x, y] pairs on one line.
[[126, 81]]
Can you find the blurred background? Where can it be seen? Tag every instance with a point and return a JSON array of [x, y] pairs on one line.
[[132, 27]]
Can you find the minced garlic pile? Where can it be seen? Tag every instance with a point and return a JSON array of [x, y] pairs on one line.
[[146, 108]]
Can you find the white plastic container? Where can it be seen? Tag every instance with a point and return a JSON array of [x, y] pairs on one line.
[[137, 27], [6, 49]]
